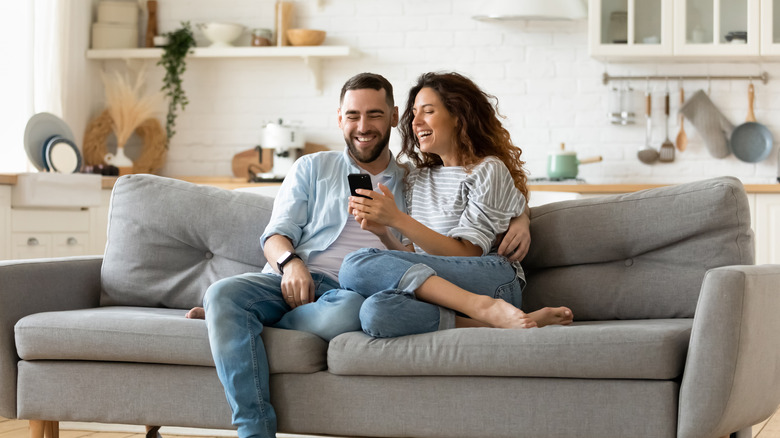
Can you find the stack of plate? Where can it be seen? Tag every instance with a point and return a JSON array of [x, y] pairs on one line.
[[49, 144]]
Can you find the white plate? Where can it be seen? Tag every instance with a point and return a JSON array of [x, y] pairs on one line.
[[40, 128], [61, 155]]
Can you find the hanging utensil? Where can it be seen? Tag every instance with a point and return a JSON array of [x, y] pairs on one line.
[[647, 154], [666, 151], [682, 137], [751, 142]]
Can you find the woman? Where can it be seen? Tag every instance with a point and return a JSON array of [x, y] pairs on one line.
[[467, 184]]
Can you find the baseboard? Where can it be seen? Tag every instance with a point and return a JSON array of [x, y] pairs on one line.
[[165, 430]]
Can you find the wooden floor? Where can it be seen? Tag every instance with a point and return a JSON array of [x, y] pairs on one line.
[[18, 429]]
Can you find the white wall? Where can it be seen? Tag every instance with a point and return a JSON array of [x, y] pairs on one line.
[[548, 87]]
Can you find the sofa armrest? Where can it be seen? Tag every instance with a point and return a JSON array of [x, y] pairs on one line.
[[732, 373], [33, 286]]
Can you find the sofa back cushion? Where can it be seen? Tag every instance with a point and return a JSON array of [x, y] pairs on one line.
[[639, 255], [168, 240]]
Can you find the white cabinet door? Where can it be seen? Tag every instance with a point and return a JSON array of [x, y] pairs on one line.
[[767, 228], [5, 222], [770, 32], [630, 28], [703, 27]]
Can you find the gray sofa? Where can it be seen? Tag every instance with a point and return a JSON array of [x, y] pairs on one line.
[[677, 332]]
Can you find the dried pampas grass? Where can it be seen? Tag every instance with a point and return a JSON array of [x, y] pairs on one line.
[[124, 103]]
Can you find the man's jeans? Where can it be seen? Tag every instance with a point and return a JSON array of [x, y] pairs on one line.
[[388, 280], [237, 308]]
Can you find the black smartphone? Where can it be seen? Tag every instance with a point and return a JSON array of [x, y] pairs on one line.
[[359, 181]]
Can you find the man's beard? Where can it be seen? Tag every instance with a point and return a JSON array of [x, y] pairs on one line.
[[370, 155]]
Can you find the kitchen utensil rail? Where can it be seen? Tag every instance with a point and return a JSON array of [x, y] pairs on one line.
[[763, 77]]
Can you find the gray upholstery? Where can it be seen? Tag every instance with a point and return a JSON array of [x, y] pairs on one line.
[[648, 349], [676, 333], [639, 255], [168, 240], [148, 335]]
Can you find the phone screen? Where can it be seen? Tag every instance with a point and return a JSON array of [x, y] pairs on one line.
[[359, 181]]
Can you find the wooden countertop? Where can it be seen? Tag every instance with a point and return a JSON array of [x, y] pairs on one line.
[[234, 183]]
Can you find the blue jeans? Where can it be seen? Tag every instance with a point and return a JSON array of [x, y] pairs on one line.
[[237, 308], [388, 280]]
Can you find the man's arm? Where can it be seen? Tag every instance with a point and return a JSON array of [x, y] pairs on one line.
[[517, 239], [297, 284]]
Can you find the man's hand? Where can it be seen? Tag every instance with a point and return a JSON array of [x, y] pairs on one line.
[[297, 284], [517, 239]]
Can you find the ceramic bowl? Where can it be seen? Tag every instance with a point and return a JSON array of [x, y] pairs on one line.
[[305, 37], [221, 34]]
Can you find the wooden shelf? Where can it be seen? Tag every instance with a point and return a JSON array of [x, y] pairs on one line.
[[311, 55]]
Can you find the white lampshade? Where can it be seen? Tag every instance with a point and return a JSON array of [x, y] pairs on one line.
[[532, 10]]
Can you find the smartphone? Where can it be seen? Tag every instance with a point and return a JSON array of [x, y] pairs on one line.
[[359, 181]]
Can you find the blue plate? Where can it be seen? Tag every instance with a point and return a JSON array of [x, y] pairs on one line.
[[751, 142], [39, 129], [61, 155]]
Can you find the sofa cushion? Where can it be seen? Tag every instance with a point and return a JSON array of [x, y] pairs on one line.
[[145, 335], [600, 350], [641, 255], [168, 240]]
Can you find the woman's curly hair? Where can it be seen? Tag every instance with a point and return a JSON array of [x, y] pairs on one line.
[[479, 130]]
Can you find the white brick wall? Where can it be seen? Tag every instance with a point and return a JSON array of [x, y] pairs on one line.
[[548, 87]]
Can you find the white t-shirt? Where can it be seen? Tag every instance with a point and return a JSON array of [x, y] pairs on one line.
[[352, 238]]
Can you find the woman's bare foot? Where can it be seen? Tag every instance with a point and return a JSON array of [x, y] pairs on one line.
[[196, 313], [497, 313], [552, 315]]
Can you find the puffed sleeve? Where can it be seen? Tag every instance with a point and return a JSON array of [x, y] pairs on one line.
[[493, 200]]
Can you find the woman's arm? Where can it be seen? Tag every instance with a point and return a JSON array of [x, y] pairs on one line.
[[382, 209]]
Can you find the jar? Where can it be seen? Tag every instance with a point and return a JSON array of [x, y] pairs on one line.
[[261, 37]]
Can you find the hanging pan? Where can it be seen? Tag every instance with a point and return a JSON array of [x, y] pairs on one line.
[[751, 141]]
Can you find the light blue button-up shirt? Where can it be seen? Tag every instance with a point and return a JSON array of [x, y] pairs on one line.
[[311, 206]]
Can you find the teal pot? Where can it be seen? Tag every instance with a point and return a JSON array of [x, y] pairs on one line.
[[565, 165]]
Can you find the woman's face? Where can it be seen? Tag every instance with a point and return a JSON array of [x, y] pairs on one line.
[[434, 126]]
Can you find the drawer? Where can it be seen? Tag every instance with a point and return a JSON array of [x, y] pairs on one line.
[[53, 221], [69, 244], [30, 245]]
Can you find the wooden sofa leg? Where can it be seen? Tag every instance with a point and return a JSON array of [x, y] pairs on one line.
[[44, 429], [153, 432]]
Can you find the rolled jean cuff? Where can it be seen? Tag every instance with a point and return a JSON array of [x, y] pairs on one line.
[[414, 277], [446, 318]]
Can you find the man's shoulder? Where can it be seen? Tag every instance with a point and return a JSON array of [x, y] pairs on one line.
[[324, 158]]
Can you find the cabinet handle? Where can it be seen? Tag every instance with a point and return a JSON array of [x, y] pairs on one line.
[[32, 241], [72, 241]]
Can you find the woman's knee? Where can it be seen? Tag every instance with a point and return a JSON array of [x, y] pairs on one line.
[[352, 274]]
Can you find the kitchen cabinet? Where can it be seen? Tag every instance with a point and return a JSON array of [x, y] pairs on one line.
[[5, 220], [682, 29], [701, 27], [630, 28], [312, 56], [767, 228], [770, 27]]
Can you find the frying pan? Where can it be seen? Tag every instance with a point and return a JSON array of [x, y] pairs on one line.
[[751, 142]]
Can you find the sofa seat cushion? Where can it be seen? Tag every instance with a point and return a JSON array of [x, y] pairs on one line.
[[638, 349], [150, 335]]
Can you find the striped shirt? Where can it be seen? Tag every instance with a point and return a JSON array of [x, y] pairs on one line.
[[474, 206]]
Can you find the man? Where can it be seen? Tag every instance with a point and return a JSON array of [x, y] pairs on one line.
[[309, 234]]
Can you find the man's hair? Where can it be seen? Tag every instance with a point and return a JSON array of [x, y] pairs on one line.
[[373, 81]]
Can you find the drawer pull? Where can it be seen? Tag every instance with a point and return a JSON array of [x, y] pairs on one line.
[[72, 241], [32, 241]]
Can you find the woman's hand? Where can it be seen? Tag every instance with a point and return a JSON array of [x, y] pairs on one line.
[[517, 239], [379, 210]]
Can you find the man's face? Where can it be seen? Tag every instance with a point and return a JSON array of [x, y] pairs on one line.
[[366, 121]]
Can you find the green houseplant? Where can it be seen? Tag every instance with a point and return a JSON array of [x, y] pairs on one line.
[[180, 42]]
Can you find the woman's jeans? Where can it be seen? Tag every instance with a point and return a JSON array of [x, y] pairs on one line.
[[237, 309], [388, 280]]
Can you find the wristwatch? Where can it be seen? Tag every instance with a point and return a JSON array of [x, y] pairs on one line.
[[285, 258]]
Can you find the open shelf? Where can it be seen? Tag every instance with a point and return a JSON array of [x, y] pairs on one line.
[[311, 55]]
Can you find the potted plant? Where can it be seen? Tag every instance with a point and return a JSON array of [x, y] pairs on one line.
[[180, 42]]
